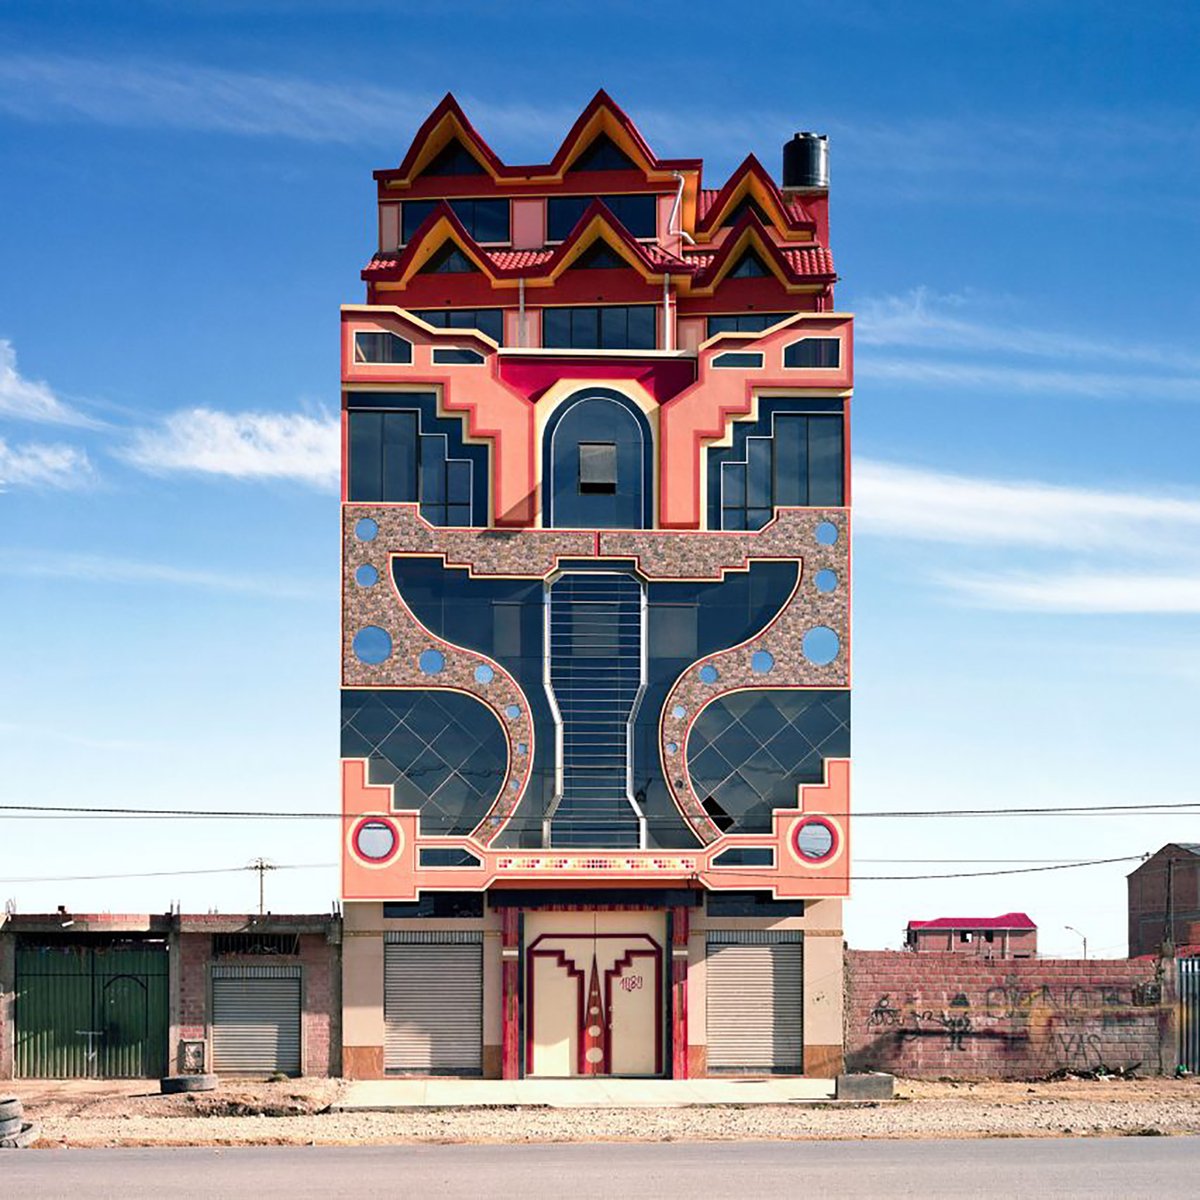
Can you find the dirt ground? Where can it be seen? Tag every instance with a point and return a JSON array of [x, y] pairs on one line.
[[294, 1112]]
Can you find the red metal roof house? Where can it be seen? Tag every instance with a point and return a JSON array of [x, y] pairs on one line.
[[1010, 935]]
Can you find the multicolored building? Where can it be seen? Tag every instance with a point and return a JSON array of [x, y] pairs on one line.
[[595, 631]]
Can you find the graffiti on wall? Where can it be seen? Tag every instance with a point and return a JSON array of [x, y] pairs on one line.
[[1070, 1021]]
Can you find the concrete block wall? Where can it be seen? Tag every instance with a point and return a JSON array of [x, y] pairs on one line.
[[929, 1015]]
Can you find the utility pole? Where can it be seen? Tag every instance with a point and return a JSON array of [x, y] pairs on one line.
[[262, 866], [1168, 942]]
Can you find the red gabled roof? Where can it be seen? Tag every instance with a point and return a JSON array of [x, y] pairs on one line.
[[797, 263], [449, 107], [1012, 920], [711, 205]]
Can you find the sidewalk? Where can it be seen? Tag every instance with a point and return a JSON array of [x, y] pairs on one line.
[[400, 1095]]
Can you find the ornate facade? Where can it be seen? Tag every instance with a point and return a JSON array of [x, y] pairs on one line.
[[595, 597]]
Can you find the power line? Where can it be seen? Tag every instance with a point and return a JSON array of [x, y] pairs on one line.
[[161, 874], [1059, 866], [45, 811]]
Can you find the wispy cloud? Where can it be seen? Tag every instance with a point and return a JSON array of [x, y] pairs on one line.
[[1081, 592], [31, 399], [916, 504], [141, 94], [43, 465], [100, 568], [936, 340], [241, 446], [1035, 546]]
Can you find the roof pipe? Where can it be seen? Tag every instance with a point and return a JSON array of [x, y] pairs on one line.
[[687, 237]]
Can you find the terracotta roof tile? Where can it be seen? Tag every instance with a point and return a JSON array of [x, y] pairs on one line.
[[508, 260], [813, 260]]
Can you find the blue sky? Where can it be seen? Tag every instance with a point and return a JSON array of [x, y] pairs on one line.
[[186, 198]]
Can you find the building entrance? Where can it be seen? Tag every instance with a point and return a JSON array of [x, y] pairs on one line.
[[594, 989]]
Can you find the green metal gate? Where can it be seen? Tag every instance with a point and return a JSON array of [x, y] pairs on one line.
[[94, 1008]]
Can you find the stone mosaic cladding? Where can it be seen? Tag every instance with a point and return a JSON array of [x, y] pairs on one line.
[[535, 554]]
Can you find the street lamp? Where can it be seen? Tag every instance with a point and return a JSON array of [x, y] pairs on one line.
[[1076, 931]]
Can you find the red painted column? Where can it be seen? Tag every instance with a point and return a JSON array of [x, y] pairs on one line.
[[510, 953], [679, 967]]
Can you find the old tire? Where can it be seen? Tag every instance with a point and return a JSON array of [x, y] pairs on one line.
[[11, 1127], [29, 1133], [10, 1107], [172, 1085]]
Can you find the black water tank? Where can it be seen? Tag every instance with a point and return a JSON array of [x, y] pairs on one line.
[[806, 161]]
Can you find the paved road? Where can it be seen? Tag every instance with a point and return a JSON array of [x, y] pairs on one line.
[[1091, 1167]]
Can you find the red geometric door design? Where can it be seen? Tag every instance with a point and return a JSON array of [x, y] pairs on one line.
[[593, 999]]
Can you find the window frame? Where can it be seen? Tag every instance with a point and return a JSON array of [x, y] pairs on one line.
[[406, 237], [360, 360], [605, 198], [813, 337]]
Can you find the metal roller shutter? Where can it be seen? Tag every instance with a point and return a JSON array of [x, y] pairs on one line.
[[256, 1020], [433, 1007], [755, 1005]]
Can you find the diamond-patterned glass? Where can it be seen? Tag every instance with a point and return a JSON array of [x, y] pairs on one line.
[[749, 751], [441, 752]]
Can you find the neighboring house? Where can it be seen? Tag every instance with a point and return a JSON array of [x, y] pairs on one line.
[[1012, 935], [595, 604], [140, 996], [1164, 900]]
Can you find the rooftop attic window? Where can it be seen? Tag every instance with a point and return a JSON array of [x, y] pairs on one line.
[[603, 154], [448, 260], [749, 266], [746, 204], [599, 256], [454, 159]]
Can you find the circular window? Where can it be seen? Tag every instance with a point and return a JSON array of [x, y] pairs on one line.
[[679, 712], [761, 661], [815, 839], [372, 645], [366, 576], [484, 673], [826, 580], [365, 529], [827, 533], [375, 840], [820, 645], [709, 673], [431, 662], [512, 711]]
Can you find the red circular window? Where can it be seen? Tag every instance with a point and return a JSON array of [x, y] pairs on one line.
[[815, 840], [376, 839]]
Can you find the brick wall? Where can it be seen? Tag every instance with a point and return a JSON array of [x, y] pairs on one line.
[[930, 1015], [320, 964]]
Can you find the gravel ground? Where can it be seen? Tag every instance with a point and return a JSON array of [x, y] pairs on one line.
[[237, 1115]]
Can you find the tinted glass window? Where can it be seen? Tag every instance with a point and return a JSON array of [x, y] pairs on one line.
[[750, 904], [383, 456], [613, 327], [454, 159], [449, 260], [486, 320], [637, 213], [598, 467], [484, 220], [603, 154], [749, 266], [813, 352], [391, 460], [744, 322], [381, 348], [800, 462]]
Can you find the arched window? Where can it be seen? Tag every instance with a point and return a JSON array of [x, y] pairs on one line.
[[597, 464]]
